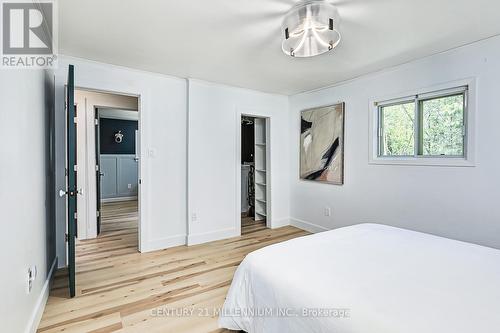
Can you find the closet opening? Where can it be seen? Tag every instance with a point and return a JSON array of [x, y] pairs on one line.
[[254, 173]]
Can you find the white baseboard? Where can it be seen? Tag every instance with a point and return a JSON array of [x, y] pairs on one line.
[[212, 236], [280, 223], [165, 243], [108, 200], [307, 226], [36, 316]]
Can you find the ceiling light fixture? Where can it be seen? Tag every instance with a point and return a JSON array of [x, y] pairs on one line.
[[310, 28]]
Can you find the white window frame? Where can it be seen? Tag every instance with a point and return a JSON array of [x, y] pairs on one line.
[[467, 160]]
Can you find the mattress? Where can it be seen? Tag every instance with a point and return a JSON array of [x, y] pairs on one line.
[[366, 278]]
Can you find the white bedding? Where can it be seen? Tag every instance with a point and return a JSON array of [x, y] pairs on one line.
[[391, 280]]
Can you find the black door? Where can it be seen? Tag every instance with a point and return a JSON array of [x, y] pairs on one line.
[[71, 181]]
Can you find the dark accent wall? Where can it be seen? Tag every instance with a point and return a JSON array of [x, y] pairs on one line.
[[247, 143], [108, 128]]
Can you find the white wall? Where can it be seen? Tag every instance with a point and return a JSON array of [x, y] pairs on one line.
[[214, 167], [163, 146], [26, 109], [455, 202]]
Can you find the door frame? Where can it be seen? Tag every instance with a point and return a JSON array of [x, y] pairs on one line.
[[98, 173], [137, 136], [244, 112], [142, 228]]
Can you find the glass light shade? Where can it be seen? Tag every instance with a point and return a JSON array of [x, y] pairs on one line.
[[310, 28]]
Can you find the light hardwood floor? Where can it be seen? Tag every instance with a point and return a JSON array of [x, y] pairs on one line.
[[118, 289]]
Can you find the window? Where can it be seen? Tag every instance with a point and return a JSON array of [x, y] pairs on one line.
[[397, 124], [423, 126]]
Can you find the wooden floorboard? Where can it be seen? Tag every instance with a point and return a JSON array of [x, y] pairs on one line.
[[122, 290]]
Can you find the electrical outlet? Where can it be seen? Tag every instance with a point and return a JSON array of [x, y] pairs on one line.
[[194, 217], [129, 186], [32, 271], [328, 211]]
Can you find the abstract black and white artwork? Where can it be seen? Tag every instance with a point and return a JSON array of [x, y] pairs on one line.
[[322, 144]]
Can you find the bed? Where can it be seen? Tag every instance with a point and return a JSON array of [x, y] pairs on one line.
[[366, 278]]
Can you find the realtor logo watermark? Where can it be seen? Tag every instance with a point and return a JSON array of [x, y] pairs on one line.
[[29, 34]]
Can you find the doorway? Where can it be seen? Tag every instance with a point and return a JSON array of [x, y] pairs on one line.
[[254, 174], [83, 179], [117, 174], [107, 174], [107, 123]]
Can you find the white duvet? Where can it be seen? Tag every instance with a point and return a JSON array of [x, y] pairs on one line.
[[366, 278]]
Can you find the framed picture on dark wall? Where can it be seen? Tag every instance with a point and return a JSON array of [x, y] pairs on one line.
[[322, 144]]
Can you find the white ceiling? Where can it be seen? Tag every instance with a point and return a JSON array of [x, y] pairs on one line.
[[238, 42]]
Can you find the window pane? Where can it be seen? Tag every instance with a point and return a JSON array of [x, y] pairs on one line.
[[398, 137], [442, 124]]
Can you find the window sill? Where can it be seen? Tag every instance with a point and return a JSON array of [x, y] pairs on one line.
[[424, 161]]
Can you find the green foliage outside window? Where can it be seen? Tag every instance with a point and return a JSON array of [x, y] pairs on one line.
[[398, 129], [442, 125], [439, 127]]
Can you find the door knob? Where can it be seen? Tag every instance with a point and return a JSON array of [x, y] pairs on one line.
[[62, 193]]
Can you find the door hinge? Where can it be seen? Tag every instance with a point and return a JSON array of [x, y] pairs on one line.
[[75, 120], [75, 167], [140, 181], [96, 122], [66, 238], [65, 171], [76, 216], [98, 213], [96, 168]]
